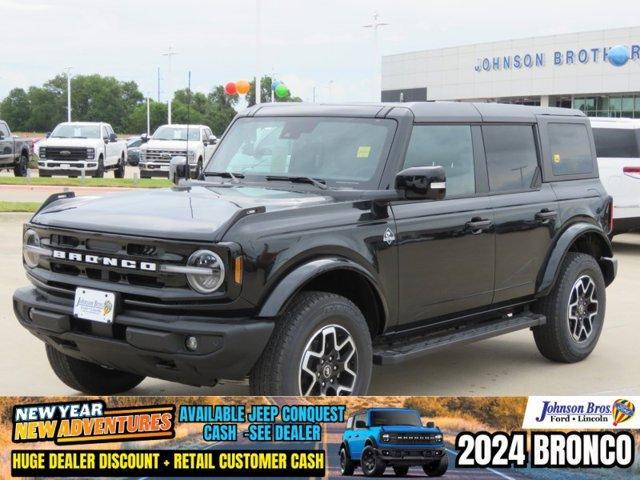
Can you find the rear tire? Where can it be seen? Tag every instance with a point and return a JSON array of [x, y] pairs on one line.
[[20, 169], [119, 170], [320, 346], [401, 470], [575, 310], [347, 466], [437, 469], [371, 464], [90, 378]]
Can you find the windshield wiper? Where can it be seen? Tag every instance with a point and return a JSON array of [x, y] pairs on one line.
[[231, 175], [318, 182]]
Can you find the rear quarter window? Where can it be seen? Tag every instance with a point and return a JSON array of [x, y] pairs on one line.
[[570, 149], [617, 142]]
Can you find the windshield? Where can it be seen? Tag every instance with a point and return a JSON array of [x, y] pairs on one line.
[[176, 133], [70, 130], [341, 151], [382, 418]]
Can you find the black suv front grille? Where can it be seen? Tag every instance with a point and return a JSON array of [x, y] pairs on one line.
[[65, 153]]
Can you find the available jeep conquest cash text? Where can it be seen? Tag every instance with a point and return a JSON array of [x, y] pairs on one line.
[[322, 239]]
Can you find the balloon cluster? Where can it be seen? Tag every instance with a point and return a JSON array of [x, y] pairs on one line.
[[242, 87], [279, 88]]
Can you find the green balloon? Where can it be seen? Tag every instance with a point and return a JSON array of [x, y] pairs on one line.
[[282, 91]]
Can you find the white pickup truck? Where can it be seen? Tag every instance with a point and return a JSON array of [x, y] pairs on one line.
[[76, 146], [170, 141]]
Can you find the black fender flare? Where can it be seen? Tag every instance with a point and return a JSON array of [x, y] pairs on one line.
[[562, 246], [278, 298]]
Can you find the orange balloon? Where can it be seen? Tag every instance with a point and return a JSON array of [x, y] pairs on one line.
[[242, 87]]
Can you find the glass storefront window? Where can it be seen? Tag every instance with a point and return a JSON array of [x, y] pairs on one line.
[[613, 106]]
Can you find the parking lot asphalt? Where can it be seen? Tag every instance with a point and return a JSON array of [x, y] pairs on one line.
[[506, 365]]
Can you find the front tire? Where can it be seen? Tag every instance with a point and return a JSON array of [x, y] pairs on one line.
[[320, 346], [371, 464], [575, 310], [347, 466], [88, 377], [100, 170], [20, 169], [437, 469], [119, 170], [196, 174]]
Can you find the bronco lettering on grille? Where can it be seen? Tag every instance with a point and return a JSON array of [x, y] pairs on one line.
[[105, 261]]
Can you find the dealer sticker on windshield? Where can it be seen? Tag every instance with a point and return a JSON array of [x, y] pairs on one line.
[[94, 305]]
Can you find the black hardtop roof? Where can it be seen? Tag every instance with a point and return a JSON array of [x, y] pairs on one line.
[[421, 111]]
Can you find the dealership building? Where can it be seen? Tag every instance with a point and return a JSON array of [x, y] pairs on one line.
[[597, 72]]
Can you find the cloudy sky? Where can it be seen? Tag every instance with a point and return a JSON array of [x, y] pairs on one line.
[[307, 44]]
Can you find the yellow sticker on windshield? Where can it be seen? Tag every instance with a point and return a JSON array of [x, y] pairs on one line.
[[556, 158], [364, 151]]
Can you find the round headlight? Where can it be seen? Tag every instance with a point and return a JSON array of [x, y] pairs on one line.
[[385, 437], [31, 257], [206, 282]]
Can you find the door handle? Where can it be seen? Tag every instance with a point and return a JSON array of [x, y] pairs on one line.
[[477, 225], [545, 215]]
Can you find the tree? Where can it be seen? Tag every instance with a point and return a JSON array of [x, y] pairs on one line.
[[106, 99], [15, 109], [137, 119]]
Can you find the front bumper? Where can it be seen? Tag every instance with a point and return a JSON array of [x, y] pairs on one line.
[[160, 168], [74, 166], [227, 347], [411, 456]]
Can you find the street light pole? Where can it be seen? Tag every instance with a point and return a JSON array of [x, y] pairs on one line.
[[68, 69], [375, 25], [258, 80], [169, 54]]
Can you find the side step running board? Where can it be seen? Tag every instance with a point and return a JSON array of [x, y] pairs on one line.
[[408, 349]]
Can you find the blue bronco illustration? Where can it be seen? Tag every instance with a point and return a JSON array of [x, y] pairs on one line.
[[378, 438]]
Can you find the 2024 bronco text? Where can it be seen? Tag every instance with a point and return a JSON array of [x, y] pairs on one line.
[[320, 240]]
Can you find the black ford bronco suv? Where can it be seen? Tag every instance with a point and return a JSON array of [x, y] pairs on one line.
[[322, 239]]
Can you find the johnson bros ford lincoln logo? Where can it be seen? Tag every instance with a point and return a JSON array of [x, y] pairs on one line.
[[617, 56]]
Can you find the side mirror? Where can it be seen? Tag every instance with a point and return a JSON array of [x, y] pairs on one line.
[[428, 183], [48, 134], [213, 139], [361, 424], [144, 137], [431, 425], [178, 169], [113, 137]]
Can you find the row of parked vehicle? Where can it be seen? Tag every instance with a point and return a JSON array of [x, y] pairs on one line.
[[93, 148]]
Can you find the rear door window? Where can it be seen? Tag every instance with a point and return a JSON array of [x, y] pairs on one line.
[[512, 157], [617, 142], [570, 149]]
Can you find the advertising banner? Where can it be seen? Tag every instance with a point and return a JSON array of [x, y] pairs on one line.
[[283, 437]]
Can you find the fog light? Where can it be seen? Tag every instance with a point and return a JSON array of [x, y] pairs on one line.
[[191, 343]]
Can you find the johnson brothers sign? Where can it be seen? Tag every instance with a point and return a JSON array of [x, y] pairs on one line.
[[616, 56]]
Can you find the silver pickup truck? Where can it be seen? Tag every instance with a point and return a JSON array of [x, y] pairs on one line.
[[14, 151]]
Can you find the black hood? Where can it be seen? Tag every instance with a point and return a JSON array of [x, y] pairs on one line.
[[184, 213]]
